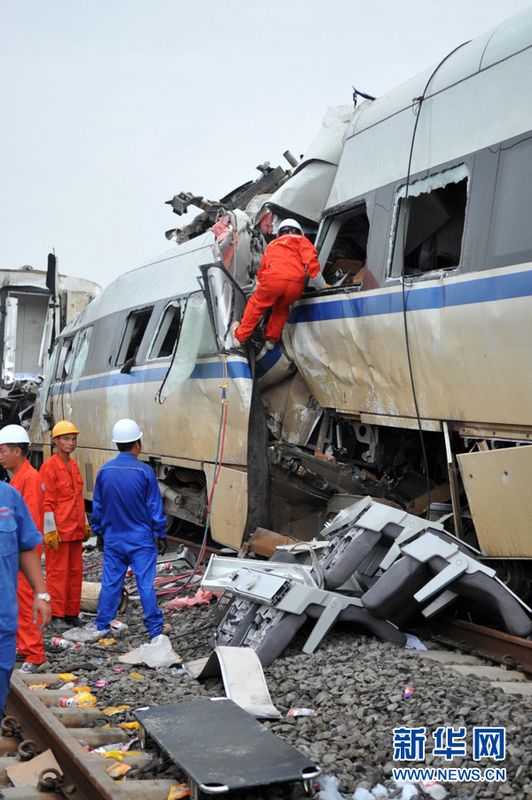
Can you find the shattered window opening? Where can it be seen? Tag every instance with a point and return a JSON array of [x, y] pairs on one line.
[[64, 361], [136, 325], [82, 350], [432, 221], [345, 248], [167, 333]]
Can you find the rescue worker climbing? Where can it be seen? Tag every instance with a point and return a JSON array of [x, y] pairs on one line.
[[285, 264], [14, 448], [18, 539], [65, 525], [127, 515]]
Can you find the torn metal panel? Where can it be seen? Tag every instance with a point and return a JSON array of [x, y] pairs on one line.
[[305, 193], [293, 411], [497, 484], [10, 340]]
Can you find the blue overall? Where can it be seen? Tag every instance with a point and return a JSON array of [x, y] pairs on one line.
[[127, 511], [17, 534]]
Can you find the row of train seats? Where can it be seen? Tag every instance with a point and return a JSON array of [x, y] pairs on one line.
[[378, 567]]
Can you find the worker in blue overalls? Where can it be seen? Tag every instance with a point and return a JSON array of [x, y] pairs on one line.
[[127, 513], [18, 539]]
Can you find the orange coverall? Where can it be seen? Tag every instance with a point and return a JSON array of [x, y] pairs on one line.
[[28, 482], [63, 496], [285, 264]]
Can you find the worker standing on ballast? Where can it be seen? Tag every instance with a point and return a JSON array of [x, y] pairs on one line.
[[14, 448], [285, 265], [127, 515], [18, 539], [65, 526]]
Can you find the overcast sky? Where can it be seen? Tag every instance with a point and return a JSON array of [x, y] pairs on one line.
[[110, 107]]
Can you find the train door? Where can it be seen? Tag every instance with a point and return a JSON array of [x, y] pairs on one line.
[[241, 496]]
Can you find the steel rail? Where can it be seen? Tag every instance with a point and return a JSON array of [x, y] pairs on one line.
[[495, 645], [79, 766]]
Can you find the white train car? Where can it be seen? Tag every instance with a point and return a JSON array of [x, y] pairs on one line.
[[424, 233], [33, 310], [428, 226]]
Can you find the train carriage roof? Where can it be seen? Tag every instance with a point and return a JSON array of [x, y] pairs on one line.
[[478, 96]]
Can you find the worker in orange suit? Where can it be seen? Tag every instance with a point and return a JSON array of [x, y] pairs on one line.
[[285, 265], [65, 526], [14, 448]]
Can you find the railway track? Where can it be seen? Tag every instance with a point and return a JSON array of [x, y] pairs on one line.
[[38, 723], [40, 720], [487, 643]]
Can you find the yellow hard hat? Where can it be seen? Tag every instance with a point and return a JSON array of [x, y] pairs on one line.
[[63, 427]]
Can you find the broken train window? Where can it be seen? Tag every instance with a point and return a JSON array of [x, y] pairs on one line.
[[167, 333], [344, 249], [136, 325], [64, 361], [428, 226]]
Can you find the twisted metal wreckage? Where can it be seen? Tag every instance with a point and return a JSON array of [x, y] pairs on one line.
[[376, 566]]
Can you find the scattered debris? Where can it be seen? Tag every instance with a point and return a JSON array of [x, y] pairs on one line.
[[178, 791], [110, 711], [26, 773], [158, 653], [377, 566], [301, 712], [242, 676], [118, 769], [201, 598], [329, 788]]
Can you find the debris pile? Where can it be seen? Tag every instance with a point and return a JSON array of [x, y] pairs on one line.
[[377, 566]]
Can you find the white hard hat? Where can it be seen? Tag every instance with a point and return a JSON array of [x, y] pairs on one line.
[[290, 223], [125, 431], [14, 434]]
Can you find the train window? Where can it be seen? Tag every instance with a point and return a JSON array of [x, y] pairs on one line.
[[510, 231], [429, 224], [64, 362], [136, 325], [83, 340], [167, 333], [345, 247]]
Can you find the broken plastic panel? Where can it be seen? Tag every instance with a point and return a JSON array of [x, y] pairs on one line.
[[83, 340], [195, 337], [226, 302]]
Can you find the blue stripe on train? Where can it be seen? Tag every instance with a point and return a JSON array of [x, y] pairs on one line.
[[202, 371], [420, 298]]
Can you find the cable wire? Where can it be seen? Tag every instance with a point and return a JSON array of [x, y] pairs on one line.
[[420, 100]]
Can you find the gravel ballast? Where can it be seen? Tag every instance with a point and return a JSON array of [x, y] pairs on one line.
[[353, 682]]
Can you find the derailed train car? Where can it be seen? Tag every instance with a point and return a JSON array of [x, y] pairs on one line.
[[408, 379]]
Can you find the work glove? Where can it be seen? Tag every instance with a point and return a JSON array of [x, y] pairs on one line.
[[88, 533], [52, 540], [161, 545], [99, 540]]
